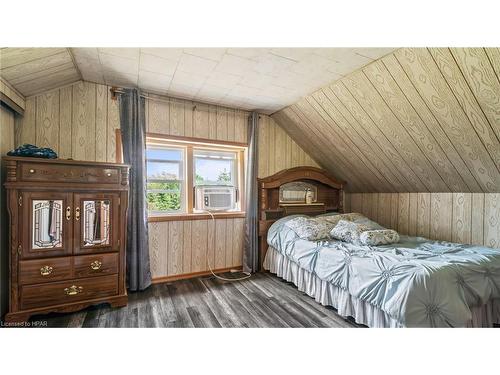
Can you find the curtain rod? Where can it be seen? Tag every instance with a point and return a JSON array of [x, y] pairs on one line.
[[115, 91]]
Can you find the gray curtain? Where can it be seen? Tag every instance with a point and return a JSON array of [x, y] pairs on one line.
[[251, 251], [133, 129]]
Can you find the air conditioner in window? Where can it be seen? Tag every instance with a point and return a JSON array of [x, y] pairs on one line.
[[215, 197]]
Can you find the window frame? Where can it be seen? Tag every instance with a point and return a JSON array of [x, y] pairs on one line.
[[190, 143]]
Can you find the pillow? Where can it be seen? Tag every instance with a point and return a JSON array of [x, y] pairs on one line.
[[379, 237], [348, 231], [309, 229], [369, 223], [353, 216], [334, 219]]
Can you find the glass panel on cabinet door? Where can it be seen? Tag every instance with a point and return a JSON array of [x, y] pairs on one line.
[[96, 222], [47, 224]]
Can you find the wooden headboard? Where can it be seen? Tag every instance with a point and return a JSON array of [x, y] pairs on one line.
[[328, 197]]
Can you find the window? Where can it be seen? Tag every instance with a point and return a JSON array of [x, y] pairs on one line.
[[187, 177], [165, 183]]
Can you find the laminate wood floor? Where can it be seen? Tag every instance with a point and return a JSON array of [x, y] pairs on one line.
[[264, 300]]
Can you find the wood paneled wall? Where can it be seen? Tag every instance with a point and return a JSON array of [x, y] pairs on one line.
[[277, 150], [472, 218], [79, 121], [417, 120], [6, 144], [189, 246]]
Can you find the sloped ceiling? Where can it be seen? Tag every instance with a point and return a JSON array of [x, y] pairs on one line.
[[262, 79], [416, 120], [34, 70]]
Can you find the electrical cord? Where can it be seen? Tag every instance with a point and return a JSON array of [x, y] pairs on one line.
[[247, 274]]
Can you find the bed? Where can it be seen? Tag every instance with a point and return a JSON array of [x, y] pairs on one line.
[[415, 282]]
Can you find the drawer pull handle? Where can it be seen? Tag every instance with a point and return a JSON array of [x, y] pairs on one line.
[[32, 171], [95, 265], [68, 213], [73, 290], [46, 270], [77, 213]]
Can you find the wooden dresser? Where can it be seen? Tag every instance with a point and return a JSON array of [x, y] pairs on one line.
[[283, 194], [67, 224]]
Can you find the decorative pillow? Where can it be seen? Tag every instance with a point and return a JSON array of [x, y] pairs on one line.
[[334, 219], [348, 231], [309, 229], [353, 216], [379, 237], [369, 223]]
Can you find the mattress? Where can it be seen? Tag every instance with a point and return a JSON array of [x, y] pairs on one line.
[[414, 283]]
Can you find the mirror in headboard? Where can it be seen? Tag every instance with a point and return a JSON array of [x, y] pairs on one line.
[[296, 192]]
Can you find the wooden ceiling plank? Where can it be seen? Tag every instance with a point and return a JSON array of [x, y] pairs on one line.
[[430, 121], [329, 147], [15, 56], [373, 104], [288, 120], [376, 180], [330, 160], [351, 160], [364, 140], [459, 86], [20, 70], [494, 57], [336, 159], [42, 73], [356, 142], [413, 184], [48, 82], [424, 74], [482, 80], [391, 93]]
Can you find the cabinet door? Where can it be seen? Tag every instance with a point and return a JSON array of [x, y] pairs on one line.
[[46, 224], [96, 222]]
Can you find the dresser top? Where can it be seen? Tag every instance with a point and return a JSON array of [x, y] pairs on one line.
[[64, 161]]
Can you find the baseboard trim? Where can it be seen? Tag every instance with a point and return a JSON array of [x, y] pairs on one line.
[[165, 279]]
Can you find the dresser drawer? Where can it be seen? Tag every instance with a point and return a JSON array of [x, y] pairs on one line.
[[95, 265], [44, 270], [68, 173], [62, 292]]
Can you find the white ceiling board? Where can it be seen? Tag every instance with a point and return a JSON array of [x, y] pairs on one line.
[[263, 79]]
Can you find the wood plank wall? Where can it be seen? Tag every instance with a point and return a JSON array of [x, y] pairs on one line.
[[6, 144], [79, 121], [417, 120], [277, 150], [472, 218]]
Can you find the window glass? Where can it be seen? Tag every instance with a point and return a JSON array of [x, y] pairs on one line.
[[214, 167], [165, 183]]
